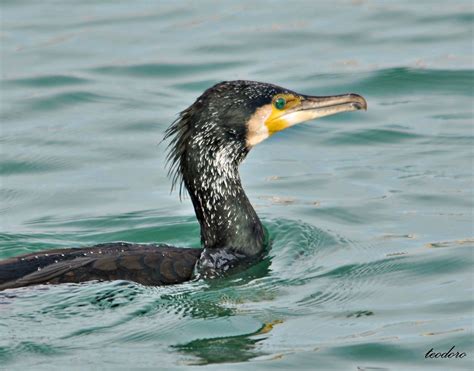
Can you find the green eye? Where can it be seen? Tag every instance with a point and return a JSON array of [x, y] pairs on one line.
[[280, 103]]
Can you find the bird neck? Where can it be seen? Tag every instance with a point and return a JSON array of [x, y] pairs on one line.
[[226, 217]]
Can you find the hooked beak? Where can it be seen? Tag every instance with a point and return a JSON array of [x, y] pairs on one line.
[[311, 107], [316, 107], [268, 119]]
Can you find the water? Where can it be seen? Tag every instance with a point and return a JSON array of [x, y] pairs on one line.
[[370, 213]]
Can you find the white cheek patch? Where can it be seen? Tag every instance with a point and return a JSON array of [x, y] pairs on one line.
[[257, 131]]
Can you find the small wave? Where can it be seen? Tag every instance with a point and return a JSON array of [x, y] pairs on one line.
[[145, 126], [132, 17], [467, 18], [147, 226], [28, 348], [370, 136], [455, 243], [196, 86], [404, 80], [10, 194], [400, 81], [46, 81], [163, 69], [30, 166], [62, 100]]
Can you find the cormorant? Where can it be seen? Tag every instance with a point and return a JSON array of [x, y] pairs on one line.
[[208, 142]]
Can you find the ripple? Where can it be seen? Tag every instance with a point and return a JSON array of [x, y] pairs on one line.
[[454, 116], [221, 48], [25, 348], [348, 282], [163, 69], [377, 352], [10, 194], [370, 136], [354, 271], [303, 259], [457, 243], [409, 80], [196, 86], [300, 255], [134, 127], [140, 227], [63, 100], [133, 17], [346, 215], [466, 18], [404, 81], [29, 166], [436, 199], [46, 81]]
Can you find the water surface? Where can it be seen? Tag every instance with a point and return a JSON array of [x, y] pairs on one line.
[[370, 213]]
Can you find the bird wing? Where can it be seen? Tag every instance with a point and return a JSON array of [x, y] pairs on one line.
[[145, 264], [47, 274]]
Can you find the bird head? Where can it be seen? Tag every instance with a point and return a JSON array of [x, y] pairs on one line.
[[231, 117]]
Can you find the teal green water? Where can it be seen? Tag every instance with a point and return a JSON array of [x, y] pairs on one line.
[[370, 213]]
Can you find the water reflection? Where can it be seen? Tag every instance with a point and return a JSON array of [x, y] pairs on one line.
[[227, 348]]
